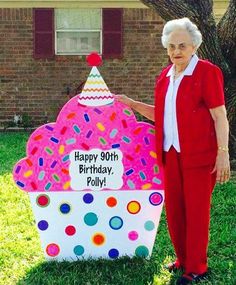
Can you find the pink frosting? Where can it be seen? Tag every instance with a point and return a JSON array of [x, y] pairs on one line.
[[46, 167]]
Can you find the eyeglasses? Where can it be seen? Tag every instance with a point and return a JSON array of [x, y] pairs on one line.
[[181, 46]]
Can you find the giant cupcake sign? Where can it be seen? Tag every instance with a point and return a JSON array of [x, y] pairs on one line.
[[95, 187]]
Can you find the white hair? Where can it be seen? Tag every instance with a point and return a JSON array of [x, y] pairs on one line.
[[183, 24]]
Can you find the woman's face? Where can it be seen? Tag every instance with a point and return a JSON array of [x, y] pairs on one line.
[[180, 47]]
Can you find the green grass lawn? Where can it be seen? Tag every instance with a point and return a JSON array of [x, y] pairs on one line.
[[22, 261]]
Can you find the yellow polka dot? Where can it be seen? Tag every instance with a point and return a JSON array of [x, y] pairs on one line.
[[28, 173], [133, 207], [66, 185], [61, 149], [153, 154], [146, 186], [100, 127]]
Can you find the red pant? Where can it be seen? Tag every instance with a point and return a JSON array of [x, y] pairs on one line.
[[187, 199]]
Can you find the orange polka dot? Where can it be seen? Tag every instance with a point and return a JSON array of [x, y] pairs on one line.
[[111, 202], [98, 239]]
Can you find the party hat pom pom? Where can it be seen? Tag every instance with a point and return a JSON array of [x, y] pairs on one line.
[[94, 59]]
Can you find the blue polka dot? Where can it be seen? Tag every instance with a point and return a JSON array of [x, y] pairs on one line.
[[42, 225], [79, 250], [113, 253], [116, 223], [88, 198], [65, 208], [90, 219]]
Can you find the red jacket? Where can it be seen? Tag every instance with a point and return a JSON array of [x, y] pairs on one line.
[[197, 94]]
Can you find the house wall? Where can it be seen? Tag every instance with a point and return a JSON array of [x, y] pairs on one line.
[[39, 87]]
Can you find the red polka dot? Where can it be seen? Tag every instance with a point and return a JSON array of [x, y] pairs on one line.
[[70, 230], [111, 202], [43, 200], [98, 239]]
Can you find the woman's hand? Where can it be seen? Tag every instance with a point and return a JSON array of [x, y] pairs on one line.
[[125, 99], [222, 167]]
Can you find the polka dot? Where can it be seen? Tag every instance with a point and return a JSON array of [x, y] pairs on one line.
[[65, 208], [88, 198], [52, 249], [70, 230], [142, 251], [133, 235], [43, 200], [133, 207], [116, 223], [42, 225], [155, 199], [90, 219], [98, 239], [111, 202], [149, 225], [113, 253], [79, 250]]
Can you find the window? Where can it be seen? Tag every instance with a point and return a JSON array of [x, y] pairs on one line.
[[78, 31]]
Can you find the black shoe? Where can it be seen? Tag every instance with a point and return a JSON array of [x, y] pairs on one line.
[[173, 266], [187, 279]]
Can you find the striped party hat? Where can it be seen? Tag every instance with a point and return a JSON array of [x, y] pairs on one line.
[[95, 91]]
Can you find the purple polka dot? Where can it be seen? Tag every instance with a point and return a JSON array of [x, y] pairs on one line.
[[113, 253], [88, 198], [42, 225]]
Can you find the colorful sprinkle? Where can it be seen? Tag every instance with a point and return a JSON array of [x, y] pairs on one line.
[[71, 116], [133, 207], [127, 112], [20, 184], [89, 134], [29, 162], [85, 146], [146, 140], [113, 133], [38, 137], [56, 177], [115, 145], [65, 158], [48, 150], [153, 154], [142, 175], [129, 157], [34, 150], [113, 116], [130, 171], [156, 168], [100, 127], [137, 148], [63, 130], [86, 117], [40, 161], [143, 161], [65, 171], [156, 180], [41, 175], [49, 128], [53, 164], [71, 141], [28, 173], [48, 186], [61, 149], [76, 129], [97, 111], [66, 185], [131, 184], [98, 239], [151, 131], [137, 131], [146, 186], [18, 169], [34, 186], [102, 141], [55, 140], [126, 139], [124, 123]]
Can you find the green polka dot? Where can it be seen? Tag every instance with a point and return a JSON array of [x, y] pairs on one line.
[[90, 219], [79, 250], [142, 251], [149, 225]]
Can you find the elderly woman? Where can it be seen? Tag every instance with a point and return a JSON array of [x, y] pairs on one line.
[[192, 143]]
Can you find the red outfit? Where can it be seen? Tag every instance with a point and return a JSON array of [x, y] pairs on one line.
[[188, 181]]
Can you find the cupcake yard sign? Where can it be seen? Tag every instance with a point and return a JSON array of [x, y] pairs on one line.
[[93, 180]]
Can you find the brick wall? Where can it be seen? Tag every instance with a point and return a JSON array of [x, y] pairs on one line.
[[39, 87]]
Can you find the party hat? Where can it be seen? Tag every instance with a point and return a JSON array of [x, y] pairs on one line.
[[95, 91]]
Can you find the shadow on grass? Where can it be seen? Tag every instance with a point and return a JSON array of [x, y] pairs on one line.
[[123, 271]]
